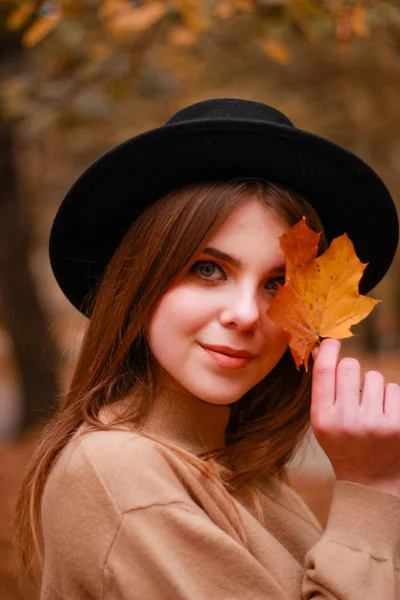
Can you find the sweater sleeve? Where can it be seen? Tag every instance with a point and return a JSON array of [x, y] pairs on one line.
[[358, 556], [175, 552]]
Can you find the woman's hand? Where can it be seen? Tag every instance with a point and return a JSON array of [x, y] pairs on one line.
[[358, 430]]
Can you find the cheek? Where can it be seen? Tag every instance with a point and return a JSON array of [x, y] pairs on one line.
[[179, 312]]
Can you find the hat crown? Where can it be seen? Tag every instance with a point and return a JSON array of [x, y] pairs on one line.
[[219, 139], [229, 108]]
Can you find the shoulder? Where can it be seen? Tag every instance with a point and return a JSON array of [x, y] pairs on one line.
[[99, 479], [124, 467]]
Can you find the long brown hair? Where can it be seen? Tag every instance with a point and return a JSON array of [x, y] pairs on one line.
[[266, 425]]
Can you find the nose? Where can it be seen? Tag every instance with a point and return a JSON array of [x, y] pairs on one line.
[[242, 311]]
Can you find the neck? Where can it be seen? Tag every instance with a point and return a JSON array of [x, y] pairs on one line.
[[187, 421]]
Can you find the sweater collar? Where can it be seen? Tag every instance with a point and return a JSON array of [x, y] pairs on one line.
[[187, 421]]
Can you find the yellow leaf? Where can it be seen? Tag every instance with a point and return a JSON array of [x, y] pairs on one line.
[[276, 51], [359, 21], [19, 16], [134, 20], [224, 9], [320, 297], [41, 28], [111, 8]]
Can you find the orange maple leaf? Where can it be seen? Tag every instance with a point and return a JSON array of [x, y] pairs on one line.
[[320, 296]]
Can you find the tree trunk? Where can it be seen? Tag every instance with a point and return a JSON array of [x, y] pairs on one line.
[[36, 355]]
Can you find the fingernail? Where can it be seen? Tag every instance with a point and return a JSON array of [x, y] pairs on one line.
[[314, 352]]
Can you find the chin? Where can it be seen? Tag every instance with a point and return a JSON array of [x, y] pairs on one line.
[[218, 396]]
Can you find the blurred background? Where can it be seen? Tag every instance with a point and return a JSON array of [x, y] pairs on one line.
[[79, 76]]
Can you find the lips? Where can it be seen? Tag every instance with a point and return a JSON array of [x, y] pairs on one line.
[[219, 356], [237, 352]]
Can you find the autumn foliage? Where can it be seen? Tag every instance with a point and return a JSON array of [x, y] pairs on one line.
[[320, 296], [186, 19]]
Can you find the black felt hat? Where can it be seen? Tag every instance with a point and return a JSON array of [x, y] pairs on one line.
[[217, 140]]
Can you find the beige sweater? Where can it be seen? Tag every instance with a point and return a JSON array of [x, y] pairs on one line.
[[126, 519]]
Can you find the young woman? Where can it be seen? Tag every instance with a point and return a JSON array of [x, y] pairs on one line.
[[163, 475]]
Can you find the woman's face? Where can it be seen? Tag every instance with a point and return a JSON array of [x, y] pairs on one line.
[[221, 300]]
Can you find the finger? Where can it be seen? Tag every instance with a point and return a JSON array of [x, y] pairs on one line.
[[391, 402], [348, 375], [372, 396], [324, 375]]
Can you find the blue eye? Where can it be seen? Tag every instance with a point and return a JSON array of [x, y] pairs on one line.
[[275, 282], [206, 270]]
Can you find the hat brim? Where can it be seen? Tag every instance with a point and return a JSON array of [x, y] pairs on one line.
[[100, 207]]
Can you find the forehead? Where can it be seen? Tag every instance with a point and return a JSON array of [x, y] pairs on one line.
[[250, 224]]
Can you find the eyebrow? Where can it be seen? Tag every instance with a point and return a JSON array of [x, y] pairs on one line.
[[235, 261]]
